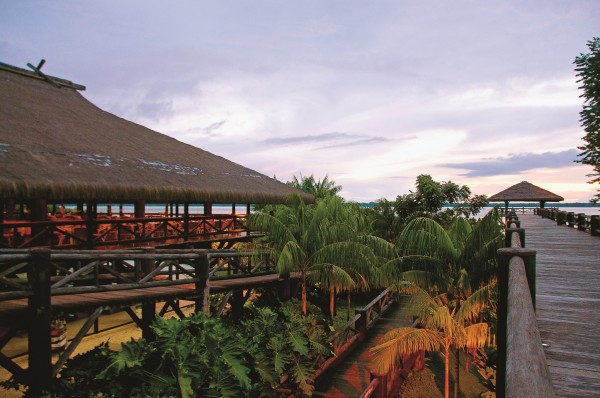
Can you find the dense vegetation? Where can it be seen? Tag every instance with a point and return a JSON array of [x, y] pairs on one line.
[[588, 71], [439, 256]]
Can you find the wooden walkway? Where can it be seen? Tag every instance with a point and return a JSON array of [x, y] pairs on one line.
[[568, 300], [352, 377], [73, 302]]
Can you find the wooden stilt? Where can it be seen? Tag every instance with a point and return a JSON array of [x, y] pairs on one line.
[[40, 352]]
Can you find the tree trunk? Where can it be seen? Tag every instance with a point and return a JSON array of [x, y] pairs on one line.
[[457, 371], [447, 370], [332, 304], [467, 351], [349, 305], [304, 299]]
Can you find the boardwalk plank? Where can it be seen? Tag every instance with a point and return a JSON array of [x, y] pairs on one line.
[[568, 271]]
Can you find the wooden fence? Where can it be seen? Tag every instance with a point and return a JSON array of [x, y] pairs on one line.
[[522, 370], [581, 221], [35, 284], [119, 232]]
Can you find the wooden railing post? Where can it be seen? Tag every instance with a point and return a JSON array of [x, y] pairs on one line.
[[571, 219], [595, 225], [361, 323], [561, 217], [502, 313], [581, 221], [202, 302], [148, 307], [40, 313], [508, 235]]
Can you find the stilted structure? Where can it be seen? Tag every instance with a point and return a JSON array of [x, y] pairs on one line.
[[66, 167]]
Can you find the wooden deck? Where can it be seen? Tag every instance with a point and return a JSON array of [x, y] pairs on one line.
[[568, 296], [125, 297], [352, 377]]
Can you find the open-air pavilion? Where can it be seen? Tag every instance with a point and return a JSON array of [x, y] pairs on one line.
[[75, 176], [525, 192]]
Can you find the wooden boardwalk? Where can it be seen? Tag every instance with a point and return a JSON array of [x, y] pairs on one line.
[[568, 300], [352, 377], [73, 302]]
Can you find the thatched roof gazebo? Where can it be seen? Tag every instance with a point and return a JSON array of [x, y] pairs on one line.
[[57, 147], [525, 192]]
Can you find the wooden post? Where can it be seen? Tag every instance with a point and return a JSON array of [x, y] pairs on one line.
[[561, 217], [148, 308], [140, 208], [207, 209], [91, 225], [186, 221], [508, 234], [202, 284], [361, 323], [502, 313], [237, 304], [571, 219], [595, 225], [39, 212], [581, 221], [285, 288], [148, 315], [40, 313]]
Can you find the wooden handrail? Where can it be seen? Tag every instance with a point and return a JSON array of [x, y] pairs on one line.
[[581, 221], [522, 369]]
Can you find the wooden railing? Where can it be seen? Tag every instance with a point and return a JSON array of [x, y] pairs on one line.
[[109, 233], [349, 336], [522, 370], [581, 221], [40, 274]]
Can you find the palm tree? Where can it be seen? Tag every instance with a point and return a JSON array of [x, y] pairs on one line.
[[323, 243], [444, 325], [451, 261], [320, 189]]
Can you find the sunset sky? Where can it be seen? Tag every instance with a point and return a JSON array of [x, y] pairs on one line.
[[372, 93]]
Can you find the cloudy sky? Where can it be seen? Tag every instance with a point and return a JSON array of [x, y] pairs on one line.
[[371, 93]]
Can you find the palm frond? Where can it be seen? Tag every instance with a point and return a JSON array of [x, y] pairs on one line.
[[425, 237], [477, 335], [291, 258], [330, 276], [475, 303], [277, 232], [401, 341]]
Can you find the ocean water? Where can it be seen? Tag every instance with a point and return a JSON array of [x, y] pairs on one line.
[[588, 210]]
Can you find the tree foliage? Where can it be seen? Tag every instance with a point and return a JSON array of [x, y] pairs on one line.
[[428, 200], [326, 243], [320, 189], [588, 70]]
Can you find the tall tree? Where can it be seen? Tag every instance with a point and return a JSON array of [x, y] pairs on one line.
[[588, 70]]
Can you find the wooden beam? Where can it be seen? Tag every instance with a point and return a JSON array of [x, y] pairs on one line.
[[40, 313]]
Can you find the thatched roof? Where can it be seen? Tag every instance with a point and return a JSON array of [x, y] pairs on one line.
[[55, 144], [526, 192]]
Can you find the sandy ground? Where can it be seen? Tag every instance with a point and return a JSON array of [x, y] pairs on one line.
[[115, 328]]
